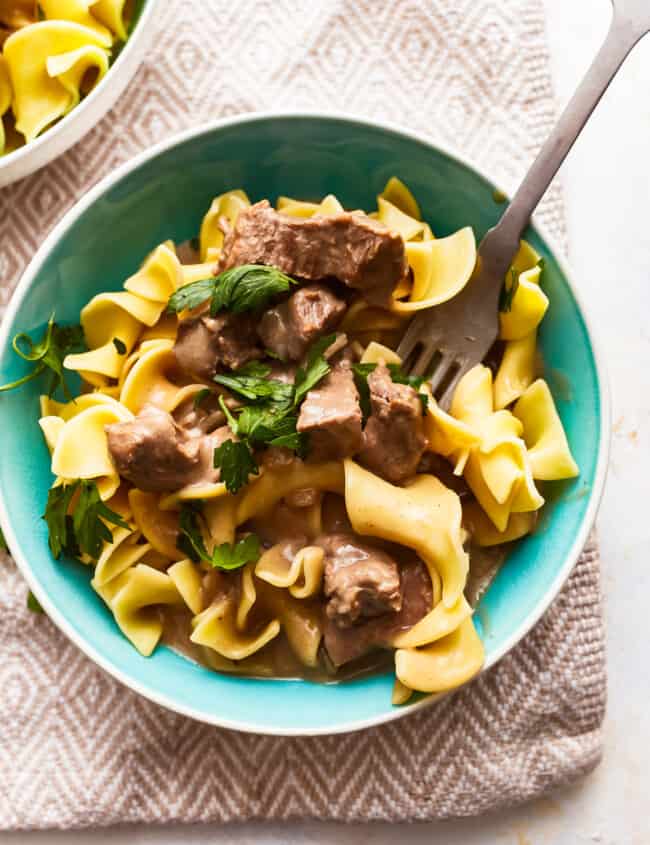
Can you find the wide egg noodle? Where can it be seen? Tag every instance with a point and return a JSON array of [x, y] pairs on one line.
[[516, 371], [76, 11], [445, 664], [40, 96], [112, 13], [187, 577], [224, 207], [119, 555], [160, 528], [134, 598], [159, 277], [302, 574], [222, 626], [148, 382], [548, 450], [441, 268], [81, 449], [424, 516], [111, 317]]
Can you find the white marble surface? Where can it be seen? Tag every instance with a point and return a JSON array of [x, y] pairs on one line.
[[607, 182]]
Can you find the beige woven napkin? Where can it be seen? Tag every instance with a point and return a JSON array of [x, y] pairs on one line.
[[78, 749]]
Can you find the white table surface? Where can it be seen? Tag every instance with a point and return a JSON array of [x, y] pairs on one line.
[[607, 185]]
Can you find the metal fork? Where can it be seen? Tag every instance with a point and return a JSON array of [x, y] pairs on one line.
[[448, 340]]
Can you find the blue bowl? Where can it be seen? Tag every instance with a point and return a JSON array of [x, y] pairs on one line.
[[162, 194]]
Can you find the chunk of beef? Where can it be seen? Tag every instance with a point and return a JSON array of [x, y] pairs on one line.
[[359, 251], [291, 327], [153, 452], [156, 454], [361, 581], [205, 344], [346, 644], [331, 416], [393, 439]]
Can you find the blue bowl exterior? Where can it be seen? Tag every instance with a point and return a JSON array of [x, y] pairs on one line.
[[165, 197]]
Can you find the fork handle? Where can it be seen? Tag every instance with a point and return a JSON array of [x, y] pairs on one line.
[[630, 22]]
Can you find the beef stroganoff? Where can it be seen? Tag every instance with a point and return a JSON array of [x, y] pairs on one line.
[[252, 475]]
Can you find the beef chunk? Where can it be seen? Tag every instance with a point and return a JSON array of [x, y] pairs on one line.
[[291, 327], [393, 439], [156, 454], [346, 644], [331, 416], [153, 452], [359, 251], [205, 344], [361, 581]]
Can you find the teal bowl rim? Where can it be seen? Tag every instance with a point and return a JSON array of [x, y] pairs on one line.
[[595, 494]]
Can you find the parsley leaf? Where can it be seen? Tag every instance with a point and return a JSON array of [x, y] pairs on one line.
[[119, 345], [59, 522], [236, 462], [246, 288], [361, 373], [3, 542], [252, 383], [33, 603], [85, 530], [508, 292], [316, 369], [191, 539], [270, 416], [47, 355], [226, 556]]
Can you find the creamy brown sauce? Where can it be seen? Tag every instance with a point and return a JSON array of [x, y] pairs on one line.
[[292, 526]]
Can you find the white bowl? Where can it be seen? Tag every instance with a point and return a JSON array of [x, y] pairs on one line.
[[90, 110]]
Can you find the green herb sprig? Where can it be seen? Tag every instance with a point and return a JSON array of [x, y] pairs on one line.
[[225, 556], [47, 355], [84, 531], [246, 288], [269, 415]]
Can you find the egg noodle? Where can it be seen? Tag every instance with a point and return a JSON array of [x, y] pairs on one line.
[[53, 53], [501, 436]]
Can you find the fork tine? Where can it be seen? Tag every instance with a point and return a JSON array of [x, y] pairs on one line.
[[424, 359], [444, 365], [448, 394], [412, 337]]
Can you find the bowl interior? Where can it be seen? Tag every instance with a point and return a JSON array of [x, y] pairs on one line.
[[105, 239]]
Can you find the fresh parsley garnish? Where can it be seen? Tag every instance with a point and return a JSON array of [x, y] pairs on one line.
[[119, 345], [47, 355], [508, 292], [225, 556], [251, 383], [236, 462], [317, 368], [246, 288], [398, 376], [85, 530], [33, 603], [3, 542], [269, 414]]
